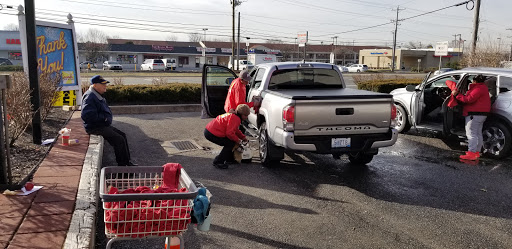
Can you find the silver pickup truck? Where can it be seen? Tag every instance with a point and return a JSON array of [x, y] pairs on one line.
[[306, 107]]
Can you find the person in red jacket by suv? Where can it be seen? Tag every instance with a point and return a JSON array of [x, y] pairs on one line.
[[237, 92], [477, 105], [224, 131]]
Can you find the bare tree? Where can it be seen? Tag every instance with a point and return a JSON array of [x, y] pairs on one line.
[[11, 27], [95, 44], [172, 38], [194, 37]]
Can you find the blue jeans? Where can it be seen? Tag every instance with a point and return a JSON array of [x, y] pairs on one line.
[[474, 125]]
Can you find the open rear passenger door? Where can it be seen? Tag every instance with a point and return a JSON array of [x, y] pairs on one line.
[[215, 85], [417, 102]]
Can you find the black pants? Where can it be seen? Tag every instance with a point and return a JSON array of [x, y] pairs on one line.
[[117, 139], [227, 151]]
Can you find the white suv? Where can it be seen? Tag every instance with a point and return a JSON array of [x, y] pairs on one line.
[[357, 68], [425, 105], [152, 64]]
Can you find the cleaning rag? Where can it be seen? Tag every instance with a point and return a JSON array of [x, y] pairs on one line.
[[201, 205]]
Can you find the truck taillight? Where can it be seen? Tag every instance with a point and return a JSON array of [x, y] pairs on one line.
[[393, 111], [393, 116], [288, 118]]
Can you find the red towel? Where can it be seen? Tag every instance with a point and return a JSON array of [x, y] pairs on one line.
[[452, 102], [171, 175]]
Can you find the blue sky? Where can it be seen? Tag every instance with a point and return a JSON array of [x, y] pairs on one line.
[[281, 19]]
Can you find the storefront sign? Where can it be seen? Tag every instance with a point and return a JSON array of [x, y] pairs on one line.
[[208, 50], [272, 51], [12, 41], [226, 50], [380, 53], [55, 53], [162, 48]]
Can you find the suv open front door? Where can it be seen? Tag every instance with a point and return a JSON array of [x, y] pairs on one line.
[[417, 103], [215, 85]]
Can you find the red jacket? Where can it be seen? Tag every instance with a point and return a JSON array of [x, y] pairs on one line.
[[236, 96], [226, 125], [476, 101]]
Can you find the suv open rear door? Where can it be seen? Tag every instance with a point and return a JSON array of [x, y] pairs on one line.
[[215, 85], [417, 102]]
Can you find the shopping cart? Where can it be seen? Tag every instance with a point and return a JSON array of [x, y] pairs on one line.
[[145, 215]]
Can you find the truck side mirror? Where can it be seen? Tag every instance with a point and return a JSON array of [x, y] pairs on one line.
[[410, 88]]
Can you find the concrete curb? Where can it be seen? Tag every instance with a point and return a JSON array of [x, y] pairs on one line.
[[144, 109], [81, 233]]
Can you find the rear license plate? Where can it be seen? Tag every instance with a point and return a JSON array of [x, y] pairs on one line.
[[340, 142]]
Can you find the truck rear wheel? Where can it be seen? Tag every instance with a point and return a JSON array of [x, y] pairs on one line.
[[360, 158], [270, 154]]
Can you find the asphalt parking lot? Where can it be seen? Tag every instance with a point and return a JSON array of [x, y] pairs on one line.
[[416, 194]]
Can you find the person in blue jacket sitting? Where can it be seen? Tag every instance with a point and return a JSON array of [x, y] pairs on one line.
[[97, 118]]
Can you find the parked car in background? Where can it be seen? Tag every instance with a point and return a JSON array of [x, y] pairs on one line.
[[443, 70], [112, 65], [83, 65], [343, 69], [242, 65], [425, 106], [5, 62], [152, 64], [170, 64], [357, 68]]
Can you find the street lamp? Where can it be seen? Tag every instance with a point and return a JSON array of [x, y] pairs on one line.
[[298, 52], [204, 38]]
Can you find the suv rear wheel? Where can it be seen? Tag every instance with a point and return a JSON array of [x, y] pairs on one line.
[[497, 139]]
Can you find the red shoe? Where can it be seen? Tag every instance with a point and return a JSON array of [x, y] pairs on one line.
[[470, 156]]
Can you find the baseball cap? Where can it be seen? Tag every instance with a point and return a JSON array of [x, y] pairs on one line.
[[98, 79], [244, 75]]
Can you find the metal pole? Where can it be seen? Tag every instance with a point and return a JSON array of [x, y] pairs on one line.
[[233, 38], [305, 45], [394, 40], [6, 127], [238, 45], [32, 70], [440, 58], [476, 21]]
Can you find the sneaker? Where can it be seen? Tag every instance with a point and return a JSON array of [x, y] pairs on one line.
[[132, 164], [220, 165], [470, 156]]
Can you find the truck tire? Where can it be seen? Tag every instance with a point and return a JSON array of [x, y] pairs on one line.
[[360, 158], [497, 139], [270, 154], [402, 122]]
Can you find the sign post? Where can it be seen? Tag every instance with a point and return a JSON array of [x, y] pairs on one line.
[[441, 50], [419, 60], [303, 40]]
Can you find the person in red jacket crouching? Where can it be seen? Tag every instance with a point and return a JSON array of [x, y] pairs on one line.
[[477, 105], [224, 131]]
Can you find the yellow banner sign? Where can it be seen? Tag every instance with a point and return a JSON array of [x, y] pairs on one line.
[[66, 98]]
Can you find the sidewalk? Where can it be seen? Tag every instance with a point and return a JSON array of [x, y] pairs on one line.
[[42, 219]]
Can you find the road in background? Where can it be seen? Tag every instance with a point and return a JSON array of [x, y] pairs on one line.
[[415, 194]]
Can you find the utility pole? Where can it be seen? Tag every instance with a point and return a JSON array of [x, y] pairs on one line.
[[476, 21], [334, 50], [394, 39], [457, 43]]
